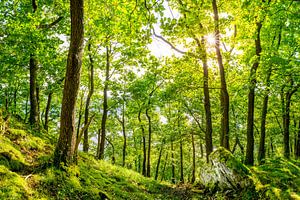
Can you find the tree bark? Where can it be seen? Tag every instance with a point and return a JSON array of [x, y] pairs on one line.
[[286, 125], [224, 136], [208, 130], [46, 125], [122, 122], [181, 162], [164, 168], [158, 161], [251, 98], [144, 143], [194, 160], [172, 161], [100, 153], [79, 116], [88, 99], [34, 114], [297, 150], [262, 150], [148, 174], [65, 149]]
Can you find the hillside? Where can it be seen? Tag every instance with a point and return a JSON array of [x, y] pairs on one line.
[[26, 173]]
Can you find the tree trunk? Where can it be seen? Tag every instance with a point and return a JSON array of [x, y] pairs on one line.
[[88, 99], [251, 97], [262, 150], [124, 134], [158, 161], [164, 168], [148, 174], [181, 162], [194, 160], [172, 162], [297, 150], [26, 108], [224, 136], [47, 111], [65, 149], [100, 153], [208, 129], [79, 116], [201, 149], [34, 115], [286, 125], [144, 143]]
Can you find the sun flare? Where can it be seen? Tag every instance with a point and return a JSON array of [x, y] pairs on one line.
[[210, 38]]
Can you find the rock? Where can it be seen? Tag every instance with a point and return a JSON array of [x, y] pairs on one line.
[[225, 172]]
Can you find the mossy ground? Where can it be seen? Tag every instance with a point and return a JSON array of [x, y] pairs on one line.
[[279, 178], [26, 173]]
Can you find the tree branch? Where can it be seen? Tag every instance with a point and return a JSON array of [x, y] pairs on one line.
[[172, 46], [46, 26]]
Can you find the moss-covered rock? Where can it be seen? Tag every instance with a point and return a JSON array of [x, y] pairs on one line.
[[225, 172]]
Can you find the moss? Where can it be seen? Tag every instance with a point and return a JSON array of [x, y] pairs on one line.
[[12, 186], [280, 177], [15, 134]]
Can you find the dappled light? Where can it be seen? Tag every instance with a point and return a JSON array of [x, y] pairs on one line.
[[149, 99]]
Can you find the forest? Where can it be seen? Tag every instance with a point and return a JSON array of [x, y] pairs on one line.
[[150, 99]]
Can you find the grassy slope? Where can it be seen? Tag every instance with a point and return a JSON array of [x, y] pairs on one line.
[[26, 173]]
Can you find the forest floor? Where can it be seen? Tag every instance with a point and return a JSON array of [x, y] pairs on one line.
[[26, 173]]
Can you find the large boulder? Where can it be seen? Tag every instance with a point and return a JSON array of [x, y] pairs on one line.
[[225, 172]]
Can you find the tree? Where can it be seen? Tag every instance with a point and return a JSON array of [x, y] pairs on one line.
[[224, 139], [65, 149]]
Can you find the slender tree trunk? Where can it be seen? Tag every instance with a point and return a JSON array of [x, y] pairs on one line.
[[224, 139], [262, 150], [181, 163], [34, 115], [144, 143], [164, 168], [46, 125], [208, 129], [26, 108], [297, 150], [172, 162], [15, 100], [286, 125], [65, 149], [201, 149], [158, 161], [124, 134], [33, 68], [100, 152], [79, 116], [88, 99], [251, 97], [194, 160], [148, 174]]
